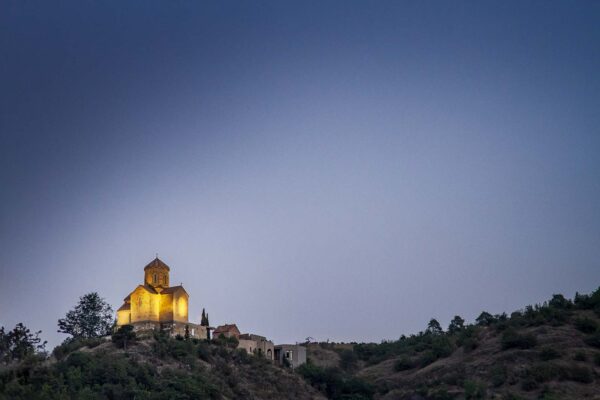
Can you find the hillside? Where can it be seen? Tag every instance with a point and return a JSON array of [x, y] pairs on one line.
[[548, 351], [151, 368]]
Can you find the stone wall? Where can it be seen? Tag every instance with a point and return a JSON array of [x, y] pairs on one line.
[[144, 305], [172, 328]]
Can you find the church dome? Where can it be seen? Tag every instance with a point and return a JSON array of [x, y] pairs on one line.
[[157, 263]]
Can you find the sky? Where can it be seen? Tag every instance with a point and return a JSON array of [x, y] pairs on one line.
[[337, 170]]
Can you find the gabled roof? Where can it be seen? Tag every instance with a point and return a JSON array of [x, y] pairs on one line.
[[147, 288], [173, 289], [157, 263], [125, 307]]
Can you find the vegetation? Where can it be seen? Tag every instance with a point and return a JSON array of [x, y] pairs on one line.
[[91, 317], [158, 367], [123, 336], [335, 384], [513, 357], [512, 339], [19, 344], [525, 355]]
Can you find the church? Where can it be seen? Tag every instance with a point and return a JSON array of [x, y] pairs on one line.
[[154, 305]]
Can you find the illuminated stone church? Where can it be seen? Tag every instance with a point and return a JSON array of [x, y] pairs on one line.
[[156, 305]]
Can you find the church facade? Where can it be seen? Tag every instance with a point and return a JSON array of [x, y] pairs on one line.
[[155, 305]]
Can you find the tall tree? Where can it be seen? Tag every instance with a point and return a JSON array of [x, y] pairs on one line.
[[434, 327], [207, 328], [456, 325], [4, 345], [91, 317], [485, 319], [19, 343]]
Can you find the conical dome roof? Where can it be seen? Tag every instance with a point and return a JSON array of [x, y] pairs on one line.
[[157, 263]]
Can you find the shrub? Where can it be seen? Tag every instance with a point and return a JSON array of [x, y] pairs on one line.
[[468, 338], [348, 360], [543, 372], [474, 390], [123, 336], [427, 358], [334, 384], [512, 339], [403, 364], [498, 375], [529, 384], [204, 351], [441, 347], [586, 325], [577, 373], [594, 340], [548, 353], [70, 345]]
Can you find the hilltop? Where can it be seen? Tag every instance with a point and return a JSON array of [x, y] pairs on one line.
[[154, 367]]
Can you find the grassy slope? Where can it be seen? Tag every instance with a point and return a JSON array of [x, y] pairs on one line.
[[560, 365]]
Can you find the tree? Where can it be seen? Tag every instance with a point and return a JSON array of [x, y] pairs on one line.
[[456, 325], [558, 301], [4, 344], [91, 317], [434, 327], [186, 334], [485, 319], [123, 335], [207, 328], [203, 319], [19, 343]]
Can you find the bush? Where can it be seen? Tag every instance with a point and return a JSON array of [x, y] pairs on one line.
[[586, 325], [512, 339], [441, 347], [543, 372], [204, 351], [474, 390], [348, 360], [123, 336], [334, 384], [594, 340], [403, 364], [529, 385], [70, 345], [577, 373], [498, 375], [427, 358], [468, 338], [548, 353]]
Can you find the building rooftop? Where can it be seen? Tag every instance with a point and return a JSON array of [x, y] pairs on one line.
[[157, 263]]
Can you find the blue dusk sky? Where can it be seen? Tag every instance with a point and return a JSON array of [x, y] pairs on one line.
[[341, 170]]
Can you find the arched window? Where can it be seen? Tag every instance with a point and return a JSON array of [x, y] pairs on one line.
[[154, 278]]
